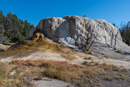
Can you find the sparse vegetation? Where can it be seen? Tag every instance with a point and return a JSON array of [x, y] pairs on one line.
[[28, 47], [119, 51], [92, 53], [55, 69], [11, 81], [80, 75], [108, 57]]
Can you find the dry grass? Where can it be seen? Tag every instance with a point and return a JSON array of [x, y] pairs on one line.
[[11, 81], [108, 57], [68, 56], [72, 73], [64, 71], [36, 69], [56, 69], [89, 52], [28, 47], [19, 51], [92, 53]]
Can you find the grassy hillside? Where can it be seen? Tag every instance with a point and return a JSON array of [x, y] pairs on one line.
[[82, 76]]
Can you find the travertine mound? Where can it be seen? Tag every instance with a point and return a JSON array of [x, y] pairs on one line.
[[74, 31]]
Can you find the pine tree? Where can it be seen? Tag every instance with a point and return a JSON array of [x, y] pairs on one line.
[[125, 32], [15, 19], [26, 28], [13, 29], [2, 18], [1, 23]]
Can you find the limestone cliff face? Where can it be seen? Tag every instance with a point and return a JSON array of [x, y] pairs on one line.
[[74, 30]]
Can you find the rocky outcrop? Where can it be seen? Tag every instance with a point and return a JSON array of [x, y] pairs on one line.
[[3, 47], [75, 30], [38, 36]]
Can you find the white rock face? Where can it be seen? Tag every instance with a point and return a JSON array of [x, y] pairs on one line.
[[73, 30]]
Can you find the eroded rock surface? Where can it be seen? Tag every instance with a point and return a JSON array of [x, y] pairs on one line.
[[75, 30]]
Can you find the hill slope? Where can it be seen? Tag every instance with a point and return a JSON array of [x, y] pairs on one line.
[[40, 61], [81, 32]]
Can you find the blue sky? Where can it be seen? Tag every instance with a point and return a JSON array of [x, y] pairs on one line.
[[113, 11]]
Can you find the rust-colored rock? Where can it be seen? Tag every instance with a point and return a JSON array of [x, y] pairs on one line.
[[38, 36]]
